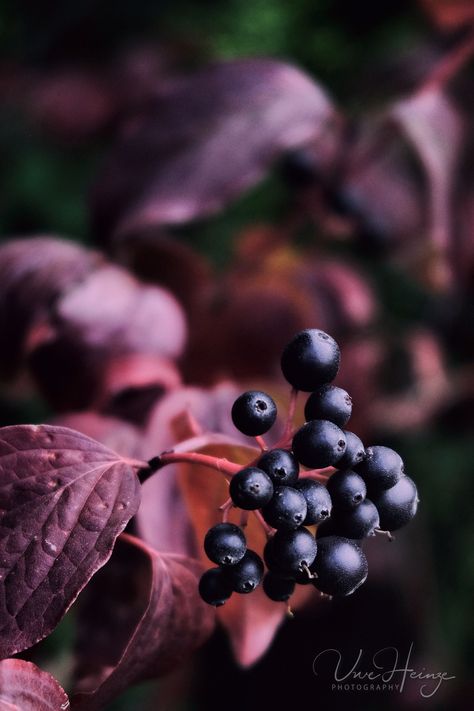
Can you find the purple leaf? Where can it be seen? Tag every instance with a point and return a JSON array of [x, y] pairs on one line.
[[210, 137], [64, 499], [34, 273], [112, 310], [24, 687], [141, 617]]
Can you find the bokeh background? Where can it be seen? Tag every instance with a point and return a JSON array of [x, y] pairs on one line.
[[367, 232]]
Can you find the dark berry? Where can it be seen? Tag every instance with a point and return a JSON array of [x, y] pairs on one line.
[[286, 509], [214, 587], [253, 413], [318, 500], [251, 488], [329, 403], [354, 454], [310, 360], [318, 444], [381, 468], [293, 550], [358, 523], [340, 565], [225, 544], [246, 574], [397, 506], [347, 489], [281, 466], [278, 588]]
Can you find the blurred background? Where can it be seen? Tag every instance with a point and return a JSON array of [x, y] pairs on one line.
[[272, 166]]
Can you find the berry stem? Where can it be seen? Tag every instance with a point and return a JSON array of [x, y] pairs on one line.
[[268, 529], [261, 443], [225, 508], [220, 464]]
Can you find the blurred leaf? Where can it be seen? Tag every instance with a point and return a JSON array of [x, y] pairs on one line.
[[24, 687], [141, 616]]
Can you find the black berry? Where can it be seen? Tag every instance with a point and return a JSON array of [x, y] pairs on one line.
[[347, 489], [251, 488], [398, 505], [278, 588], [340, 565], [319, 444], [381, 468], [318, 500], [246, 574], [291, 551], [253, 413], [354, 454], [225, 544], [310, 360], [214, 587], [358, 523], [281, 466], [286, 509], [329, 403]]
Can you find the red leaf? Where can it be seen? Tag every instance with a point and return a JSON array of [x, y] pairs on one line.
[[64, 499], [34, 273], [24, 687], [449, 14], [206, 140], [142, 616]]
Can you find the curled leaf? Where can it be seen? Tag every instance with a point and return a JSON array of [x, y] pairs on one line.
[[141, 617], [206, 140], [64, 498], [24, 687]]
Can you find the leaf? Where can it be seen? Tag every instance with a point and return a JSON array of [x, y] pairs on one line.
[[112, 310], [64, 499], [449, 14], [435, 129], [141, 617], [180, 161], [24, 687], [34, 273]]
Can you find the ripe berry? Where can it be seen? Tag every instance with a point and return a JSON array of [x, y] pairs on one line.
[[329, 403], [347, 489], [381, 468], [281, 466], [398, 505], [319, 443], [318, 501], [253, 413], [354, 454], [246, 574], [310, 360], [251, 488], [291, 551], [214, 587], [286, 509], [225, 544], [359, 522], [340, 565], [278, 588]]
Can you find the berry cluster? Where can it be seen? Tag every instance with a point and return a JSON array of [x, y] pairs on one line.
[[320, 475]]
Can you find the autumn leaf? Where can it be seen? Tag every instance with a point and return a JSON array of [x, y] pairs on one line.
[[24, 687], [64, 498]]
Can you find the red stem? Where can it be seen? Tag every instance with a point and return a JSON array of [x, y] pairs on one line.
[[261, 443], [268, 529], [219, 464]]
